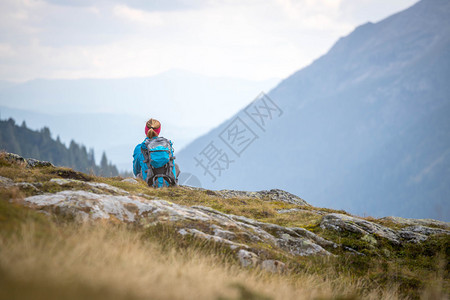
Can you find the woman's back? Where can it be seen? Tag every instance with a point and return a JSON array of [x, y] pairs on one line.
[[154, 160]]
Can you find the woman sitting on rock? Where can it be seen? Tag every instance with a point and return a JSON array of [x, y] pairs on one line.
[[153, 159]]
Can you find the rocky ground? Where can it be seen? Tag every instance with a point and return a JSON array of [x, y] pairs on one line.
[[270, 230]]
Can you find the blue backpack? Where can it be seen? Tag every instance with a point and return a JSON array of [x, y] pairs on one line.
[[160, 162]]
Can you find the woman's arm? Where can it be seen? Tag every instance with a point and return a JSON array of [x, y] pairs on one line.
[[136, 160]]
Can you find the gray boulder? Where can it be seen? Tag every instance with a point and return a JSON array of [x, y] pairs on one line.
[[6, 182], [34, 163], [247, 258], [414, 234], [270, 195], [411, 222], [340, 222], [273, 266]]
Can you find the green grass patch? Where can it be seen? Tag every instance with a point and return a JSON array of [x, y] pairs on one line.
[[13, 216]]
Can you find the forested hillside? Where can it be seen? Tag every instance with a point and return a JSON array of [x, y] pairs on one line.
[[40, 145]]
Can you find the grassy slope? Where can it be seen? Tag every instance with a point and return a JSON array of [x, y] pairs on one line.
[[52, 258]]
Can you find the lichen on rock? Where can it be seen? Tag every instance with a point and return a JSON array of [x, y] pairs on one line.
[[340, 222]]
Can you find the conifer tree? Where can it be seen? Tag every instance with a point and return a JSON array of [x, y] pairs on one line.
[[40, 145]]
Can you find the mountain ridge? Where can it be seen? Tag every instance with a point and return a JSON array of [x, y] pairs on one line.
[[343, 109]]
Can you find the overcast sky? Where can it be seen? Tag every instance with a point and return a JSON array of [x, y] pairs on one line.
[[252, 39]]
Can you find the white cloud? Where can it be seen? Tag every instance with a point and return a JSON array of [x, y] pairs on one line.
[[250, 39], [6, 51], [136, 15]]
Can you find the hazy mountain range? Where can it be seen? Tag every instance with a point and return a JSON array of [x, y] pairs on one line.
[[110, 114], [365, 128]]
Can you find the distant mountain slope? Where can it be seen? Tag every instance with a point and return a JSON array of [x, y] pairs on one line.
[[367, 123]]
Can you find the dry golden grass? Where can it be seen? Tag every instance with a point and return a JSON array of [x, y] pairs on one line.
[[118, 261]]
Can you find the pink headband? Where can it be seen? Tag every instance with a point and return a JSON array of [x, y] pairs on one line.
[[157, 130]]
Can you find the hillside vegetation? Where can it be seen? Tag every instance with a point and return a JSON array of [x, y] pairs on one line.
[[69, 235], [40, 145]]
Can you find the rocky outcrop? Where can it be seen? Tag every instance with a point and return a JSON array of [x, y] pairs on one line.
[[241, 234], [271, 195], [294, 210], [367, 229], [410, 222], [97, 187], [6, 182], [130, 180], [237, 232], [247, 258], [29, 162]]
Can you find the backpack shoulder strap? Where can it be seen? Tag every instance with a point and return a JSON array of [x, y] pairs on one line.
[[147, 160]]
